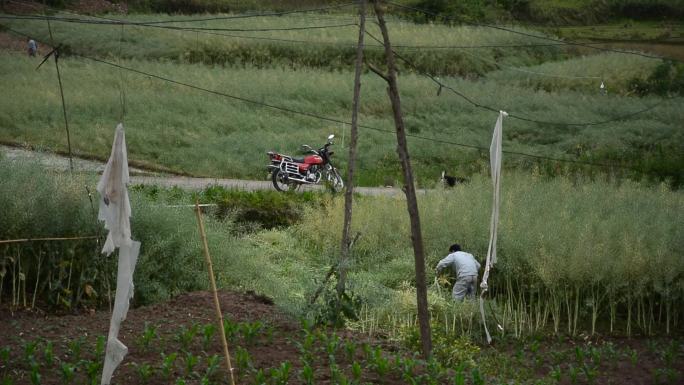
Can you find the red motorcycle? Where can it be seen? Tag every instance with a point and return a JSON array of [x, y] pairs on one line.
[[288, 173]]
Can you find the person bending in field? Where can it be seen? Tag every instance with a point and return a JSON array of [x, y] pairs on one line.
[[465, 267]]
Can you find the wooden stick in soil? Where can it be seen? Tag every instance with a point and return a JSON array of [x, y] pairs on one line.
[[219, 315], [409, 187], [348, 194]]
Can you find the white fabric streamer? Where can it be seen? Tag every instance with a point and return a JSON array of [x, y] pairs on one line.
[[115, 211], [495, 163]]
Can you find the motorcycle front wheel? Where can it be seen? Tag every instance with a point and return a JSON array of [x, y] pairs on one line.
[[335, 181], [281, 182]]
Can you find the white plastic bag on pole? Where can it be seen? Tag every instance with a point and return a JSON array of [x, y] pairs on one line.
[[115, 211], [495, 154]]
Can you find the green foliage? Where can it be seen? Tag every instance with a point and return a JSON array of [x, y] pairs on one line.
[[191, 362], [208, 332], [71, 273], [145, 371], [632, 241], [148, 336], [307, 374], [186, 335], [281, 374], [68, 372], [665, 79], [193, 136], [168, 364]]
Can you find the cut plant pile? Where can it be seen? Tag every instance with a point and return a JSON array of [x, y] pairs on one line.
[[176, 342]]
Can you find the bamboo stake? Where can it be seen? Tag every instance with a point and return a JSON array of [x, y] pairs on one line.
[[219, 315], [46, 239]]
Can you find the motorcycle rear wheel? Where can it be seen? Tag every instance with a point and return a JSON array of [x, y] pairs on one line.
[[281, 182]]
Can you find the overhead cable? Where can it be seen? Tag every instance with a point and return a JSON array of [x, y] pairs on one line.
[[120, 22], [228, 17], [511, 115], [329, 119]]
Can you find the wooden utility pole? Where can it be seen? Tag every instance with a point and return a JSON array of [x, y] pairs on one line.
[[409, 187], [348, 194]]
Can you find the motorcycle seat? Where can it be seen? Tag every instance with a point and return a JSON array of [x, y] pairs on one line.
[[298, 160]]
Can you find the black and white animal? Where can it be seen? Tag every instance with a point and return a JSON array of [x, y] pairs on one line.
[[452, 181]]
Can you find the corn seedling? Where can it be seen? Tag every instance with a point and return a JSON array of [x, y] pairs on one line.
[[590, 371], [168, 364], [30, 350], [357, 371], [186, 335], [633, 356], [260, 377], [100, 345], [213, 364], [35, 374], [573, 372], [334, 371], [281, 375], [148, 336], [180, 381], [350, 350], [307, 374], [93, 370], [67, 371], [379, 363], [5, 355], [191, 362], [556, 373], [75, 347], [243, 361], [208, 332], [332, 345], [231, 329], [48, 354], [145, 371], [579, 355], [250, 331]]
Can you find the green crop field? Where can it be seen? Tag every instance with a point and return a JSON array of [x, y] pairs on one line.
[[589, 287], [168, 123]]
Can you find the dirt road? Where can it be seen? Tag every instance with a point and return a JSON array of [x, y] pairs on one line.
[[138, 176]]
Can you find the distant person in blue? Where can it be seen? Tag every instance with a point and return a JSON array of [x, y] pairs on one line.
[[465, 267], [32, 47]]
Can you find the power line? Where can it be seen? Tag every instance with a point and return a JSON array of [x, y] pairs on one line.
[[514, 116], [530, 34], [232, 17], [120, 22], [111, 21], [329, 119]]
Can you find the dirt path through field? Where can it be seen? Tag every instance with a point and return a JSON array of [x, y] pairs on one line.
[[144, 177]]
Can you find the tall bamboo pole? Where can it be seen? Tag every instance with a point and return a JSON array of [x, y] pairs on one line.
[[409, 187], [348, 194], [219, 315]]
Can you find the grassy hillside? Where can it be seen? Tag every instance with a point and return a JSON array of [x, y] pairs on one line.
[[203, 134], [328, 48]]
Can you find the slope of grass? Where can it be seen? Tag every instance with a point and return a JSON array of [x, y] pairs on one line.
[[203, 134], [330, 48], [585, 73]]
